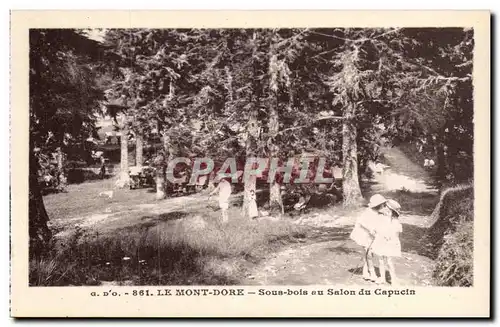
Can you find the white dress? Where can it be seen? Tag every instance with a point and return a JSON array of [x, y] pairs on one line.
[[252, 207], [224, 194], [387, 241], [365, 223]]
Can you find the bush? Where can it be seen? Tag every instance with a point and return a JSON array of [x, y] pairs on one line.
[[451, 237], [455, 260]]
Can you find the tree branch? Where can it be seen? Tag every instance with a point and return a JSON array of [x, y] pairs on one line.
[[316, 120]]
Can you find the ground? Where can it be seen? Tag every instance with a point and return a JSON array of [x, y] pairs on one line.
[[325, 255]]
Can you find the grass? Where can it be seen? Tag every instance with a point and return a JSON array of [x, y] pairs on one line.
[[141, 241], [194, 250], [83, 199], [419, 203]]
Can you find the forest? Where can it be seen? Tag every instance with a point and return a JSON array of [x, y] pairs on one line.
[[342, 94]]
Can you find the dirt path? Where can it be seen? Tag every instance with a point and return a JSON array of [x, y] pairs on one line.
[[330, 257]]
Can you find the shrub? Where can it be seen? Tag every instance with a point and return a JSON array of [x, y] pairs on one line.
[[455, 260], [451, 237]]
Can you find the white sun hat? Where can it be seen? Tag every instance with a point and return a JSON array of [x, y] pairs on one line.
[[394, 206], [376, 200]]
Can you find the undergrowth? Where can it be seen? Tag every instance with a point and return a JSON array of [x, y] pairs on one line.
[[452, 237], [192, 251]]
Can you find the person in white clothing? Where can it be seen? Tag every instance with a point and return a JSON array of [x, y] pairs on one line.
[[224, 189], [252, 207], [364, 232], [387, 244]]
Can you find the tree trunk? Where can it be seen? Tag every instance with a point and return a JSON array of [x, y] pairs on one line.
[[139, 149], [161, 180], [251, 146], [61, 177], [275, 199], [124, 176], [250, 185], [39, 232], [350, 183], [252, 130]]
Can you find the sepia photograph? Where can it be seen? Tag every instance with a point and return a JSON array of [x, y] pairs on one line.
[[337, 157]]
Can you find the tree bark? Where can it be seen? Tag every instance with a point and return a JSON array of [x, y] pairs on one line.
[[252, 129], [139, 149], [251, 146], [350, 184], [39, 232], [61, 178], [161, 180], [275, 199], [124, 175]]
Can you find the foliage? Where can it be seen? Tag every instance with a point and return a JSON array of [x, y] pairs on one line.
[[214, 79], [455, 262], [450, 238], [263, 92], [64, 94]]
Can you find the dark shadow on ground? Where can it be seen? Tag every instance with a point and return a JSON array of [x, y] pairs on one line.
[[412, 240], [146, 222], [174, 215], [327, 234], [358, 271], [415, 203], [342, 249]]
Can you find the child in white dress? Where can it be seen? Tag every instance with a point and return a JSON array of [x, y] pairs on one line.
[[364, 233], [252, 206], [224, 189], [386, 244]]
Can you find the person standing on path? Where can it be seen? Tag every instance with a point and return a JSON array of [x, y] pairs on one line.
[[387, 244], [224, 189], [253, 212], [364, 233]]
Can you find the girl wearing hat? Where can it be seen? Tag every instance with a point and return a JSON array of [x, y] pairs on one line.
[[364, 233], [386, 244]]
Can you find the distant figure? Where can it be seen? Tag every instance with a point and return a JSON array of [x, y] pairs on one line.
[[429, 163], [224, 189], [252, 206], [376, 167], [103, 167]]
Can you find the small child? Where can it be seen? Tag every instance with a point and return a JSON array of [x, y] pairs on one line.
[[224, 189], [364, 233], [252, 206], [387, 244]]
